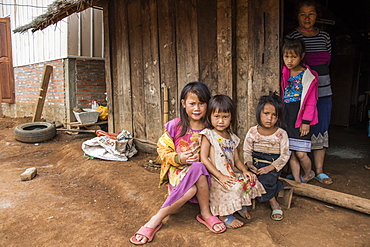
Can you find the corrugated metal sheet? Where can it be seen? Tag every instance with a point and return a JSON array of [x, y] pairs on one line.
[[78, 35]]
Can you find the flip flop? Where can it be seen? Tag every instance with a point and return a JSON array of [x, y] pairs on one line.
[[321, 178], [277, 212], [241, 211], [230, 218], [210, 222], [147, 232], [291, 177]]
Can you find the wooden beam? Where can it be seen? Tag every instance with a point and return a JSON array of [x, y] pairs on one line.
[[151, 74], [224, 46], [167, 53], [43, 89], [330, 196], [145, 146], [108, 67]]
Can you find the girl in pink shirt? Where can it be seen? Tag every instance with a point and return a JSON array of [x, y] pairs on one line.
[[299, 86]]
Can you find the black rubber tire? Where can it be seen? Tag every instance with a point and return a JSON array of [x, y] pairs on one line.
[[35, 132]]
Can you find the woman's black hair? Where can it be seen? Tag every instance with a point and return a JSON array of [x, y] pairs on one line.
[[221, 103], [295, 45], [313, 3], [201, 90], [274, 100]]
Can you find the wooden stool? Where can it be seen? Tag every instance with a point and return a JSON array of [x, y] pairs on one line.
[[285, 197]]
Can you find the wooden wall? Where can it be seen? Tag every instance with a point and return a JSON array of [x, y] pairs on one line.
[[232, 46]]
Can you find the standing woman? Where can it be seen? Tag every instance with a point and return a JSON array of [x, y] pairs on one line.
[[318, 55]]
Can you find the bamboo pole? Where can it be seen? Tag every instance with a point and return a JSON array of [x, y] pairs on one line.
[[165, 105], [334, 197]]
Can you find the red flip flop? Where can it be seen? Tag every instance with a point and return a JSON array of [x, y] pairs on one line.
[[146, 232], [210, 222]]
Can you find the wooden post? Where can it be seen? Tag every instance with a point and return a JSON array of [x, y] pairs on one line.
[[165, 105], [330, 196], [43, 89]]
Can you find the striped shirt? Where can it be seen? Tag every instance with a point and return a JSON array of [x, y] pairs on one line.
[[316, 43]]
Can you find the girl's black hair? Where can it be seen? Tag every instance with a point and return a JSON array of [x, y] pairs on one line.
[[274, 100], [221, 103], [201, 90], [313, 3], [295, 45]]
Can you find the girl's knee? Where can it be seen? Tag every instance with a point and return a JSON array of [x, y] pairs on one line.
[[192, 190], [301, 155]]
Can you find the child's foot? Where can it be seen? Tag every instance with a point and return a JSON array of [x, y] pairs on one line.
[[277, 213], [231, 221], [144, 235], [244, 213], [212, 223], [307, 177]]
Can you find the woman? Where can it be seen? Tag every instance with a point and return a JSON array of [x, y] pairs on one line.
[[318, 55]]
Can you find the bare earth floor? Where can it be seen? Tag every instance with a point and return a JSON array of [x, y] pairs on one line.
[[74, 201]]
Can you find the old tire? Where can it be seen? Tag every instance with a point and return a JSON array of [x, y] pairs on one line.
[[34, 132]]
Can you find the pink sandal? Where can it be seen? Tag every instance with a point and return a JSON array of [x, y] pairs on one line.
[[146, 232], [210, 222]]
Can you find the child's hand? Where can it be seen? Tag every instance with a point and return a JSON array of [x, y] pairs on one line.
[[304, 129], [250, 176], [265, 170], [226, 181], [185, 156], [193, 158], [252, 167]]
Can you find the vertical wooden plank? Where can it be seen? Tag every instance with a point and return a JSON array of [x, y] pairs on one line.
[[42, 94], [242, 67], [264, 73], [136, 64], [187, 42], [109, 66], [167, 51], [207, 32], [272, 54], [153, 105], [121, 82], [224, 47]]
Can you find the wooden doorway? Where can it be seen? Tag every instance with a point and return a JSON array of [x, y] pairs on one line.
[[6, 64]]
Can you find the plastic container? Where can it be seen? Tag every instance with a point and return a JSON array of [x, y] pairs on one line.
[[89, 116], [94, 105]]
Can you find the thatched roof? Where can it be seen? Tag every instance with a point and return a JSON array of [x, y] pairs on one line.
[[56, 11]]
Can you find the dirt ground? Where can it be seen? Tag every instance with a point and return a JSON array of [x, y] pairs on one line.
[[74, 201]]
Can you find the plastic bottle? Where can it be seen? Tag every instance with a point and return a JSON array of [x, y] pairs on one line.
[[94, 105]]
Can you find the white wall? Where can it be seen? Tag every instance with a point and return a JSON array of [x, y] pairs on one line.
[[72, 36]]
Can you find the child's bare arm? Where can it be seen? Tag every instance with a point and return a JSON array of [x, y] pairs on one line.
[[239, 164], [204, 154]]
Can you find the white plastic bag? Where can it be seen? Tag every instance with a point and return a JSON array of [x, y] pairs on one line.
[[107, 148]]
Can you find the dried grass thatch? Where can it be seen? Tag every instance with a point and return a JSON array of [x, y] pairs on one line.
[[56, 11]]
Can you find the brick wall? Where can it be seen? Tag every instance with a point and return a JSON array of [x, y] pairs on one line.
[[28, 80], [90, 82], [90, 85]]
